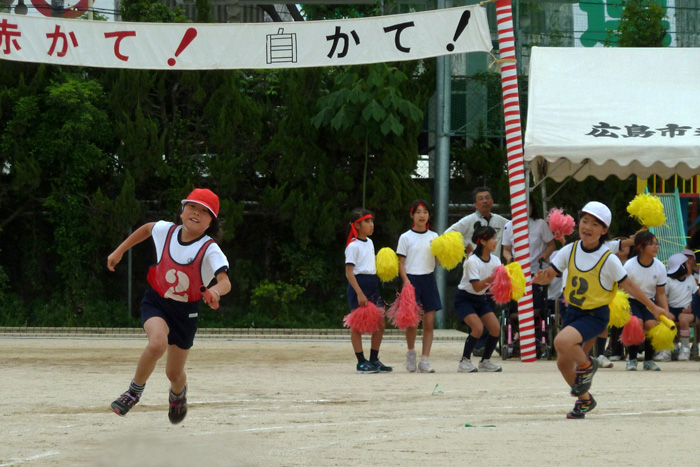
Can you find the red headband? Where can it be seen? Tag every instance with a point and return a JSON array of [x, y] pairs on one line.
[[353, 230], [413, 209]]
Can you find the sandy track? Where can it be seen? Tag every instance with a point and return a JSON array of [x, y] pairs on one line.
[[291, 403]]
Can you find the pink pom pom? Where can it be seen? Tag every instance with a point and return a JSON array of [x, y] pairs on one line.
[[364, 319], [632, 333], [501, 287], [560, 224], [405, 312]]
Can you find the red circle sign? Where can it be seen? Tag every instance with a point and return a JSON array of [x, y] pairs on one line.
[[44, 7]]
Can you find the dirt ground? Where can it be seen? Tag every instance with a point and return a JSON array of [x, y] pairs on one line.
[[300, 403]]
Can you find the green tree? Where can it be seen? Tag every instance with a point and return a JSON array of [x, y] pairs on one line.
[[641, 25]]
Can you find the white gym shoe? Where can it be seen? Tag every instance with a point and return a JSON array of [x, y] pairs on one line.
[[603, 362], [631, 365], [465, 366], [411, 361], [684, 354], [615, 358], [424, 366], [487, 365], [649, 365], [662, 356]]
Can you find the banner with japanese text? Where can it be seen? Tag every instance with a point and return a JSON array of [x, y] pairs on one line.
[[244, 46]]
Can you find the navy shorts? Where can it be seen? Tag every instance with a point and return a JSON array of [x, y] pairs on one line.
[[369, 284], [427, 294], [695, 305], [588, 323], [675, 311], [181, 317], [467, 303], [641, 311]]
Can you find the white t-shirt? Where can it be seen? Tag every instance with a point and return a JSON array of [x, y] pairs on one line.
[[466, 227], [360, 253], [538, 235], [611, 272], [214, 260], [476, 269], [415, 247], [648, 278], [680, 293], [556, 287]]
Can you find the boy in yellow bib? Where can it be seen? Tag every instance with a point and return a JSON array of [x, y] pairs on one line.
[[593, 276]]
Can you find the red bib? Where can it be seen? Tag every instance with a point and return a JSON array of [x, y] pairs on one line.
[[179, 282]]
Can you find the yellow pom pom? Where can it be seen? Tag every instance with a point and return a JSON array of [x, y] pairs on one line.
[[387, 264], [647, 209], [619, 310], [517, 280], [448, 248], [661, 337]]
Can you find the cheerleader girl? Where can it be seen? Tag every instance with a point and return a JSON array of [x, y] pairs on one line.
[[647, 271], [363, 286], [472, 304], [417, 266], [593, 275], [187, 259], [680, 288]]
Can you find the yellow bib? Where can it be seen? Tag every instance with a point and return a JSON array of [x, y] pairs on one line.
[[583, 288]]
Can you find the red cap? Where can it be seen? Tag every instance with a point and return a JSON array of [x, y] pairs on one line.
[[206, 198]]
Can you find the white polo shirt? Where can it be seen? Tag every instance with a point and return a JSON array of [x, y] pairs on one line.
[[415, 248], [466, 227], [680, 293], [476, 269], [538, 236]]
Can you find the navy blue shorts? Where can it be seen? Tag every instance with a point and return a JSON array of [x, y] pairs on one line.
[[467, 303], [695, 305], [369, 284], [427, 294], [588, 323], [675, 311], [181, 317], [641, 311]]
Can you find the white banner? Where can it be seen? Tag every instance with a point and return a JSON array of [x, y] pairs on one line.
[[239, 46]]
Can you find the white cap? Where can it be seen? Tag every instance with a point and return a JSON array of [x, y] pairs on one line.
[[599, 211], [675, 262], [688, 252]]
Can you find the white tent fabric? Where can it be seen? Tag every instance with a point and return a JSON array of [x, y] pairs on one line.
[[613, 111]]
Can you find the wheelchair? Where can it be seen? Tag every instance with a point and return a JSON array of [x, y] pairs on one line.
[[547, 323]]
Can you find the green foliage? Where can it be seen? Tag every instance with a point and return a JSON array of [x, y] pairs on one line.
[[641, 25], [275, 298], [150, 11]]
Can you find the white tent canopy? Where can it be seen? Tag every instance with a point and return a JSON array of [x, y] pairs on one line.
[[613, 111]]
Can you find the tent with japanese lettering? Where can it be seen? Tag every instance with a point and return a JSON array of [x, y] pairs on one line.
[[613, 111]]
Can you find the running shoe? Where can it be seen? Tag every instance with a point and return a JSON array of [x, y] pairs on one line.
[[465, 366], [662, 356], [649, 365], [631, 365], [367, 367], [684, 354], [604, 362], [411, 362], [584, 379], [424, 367], [381, 367], [178, 407], [581, 408], [125, 403], [488, 365]]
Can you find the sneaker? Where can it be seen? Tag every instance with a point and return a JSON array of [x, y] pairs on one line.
[[615, 358], [465, 366], [178, 407], [382, 368], [631, 365], [487, 365], [603, 362], [581, 408], [367, 367], [411, 362], [424, 367], [649, 365], [584, 379], [662, 356], [684, 354], [125, 403]]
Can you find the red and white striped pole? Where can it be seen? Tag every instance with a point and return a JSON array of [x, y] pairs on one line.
[[516, 173]]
